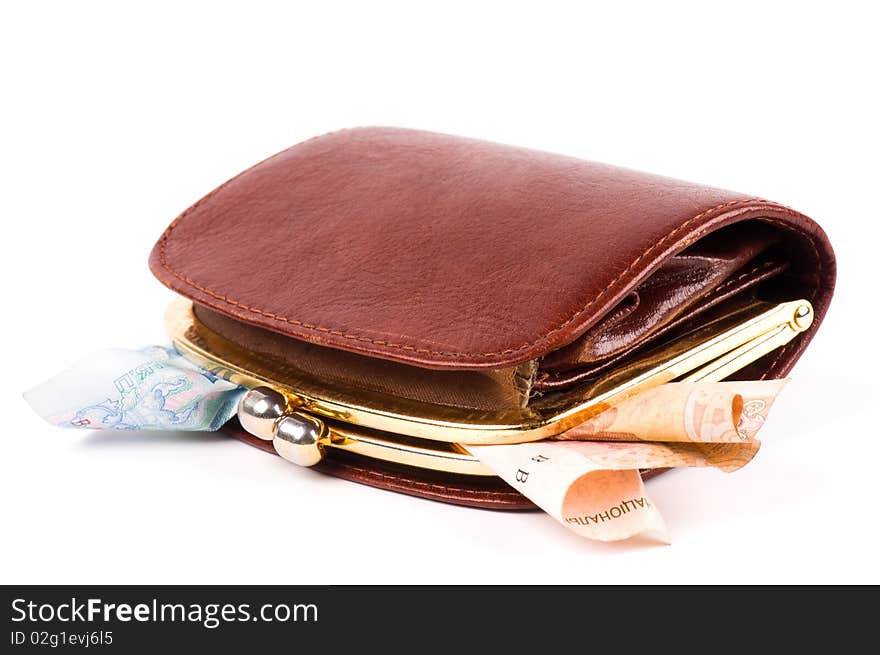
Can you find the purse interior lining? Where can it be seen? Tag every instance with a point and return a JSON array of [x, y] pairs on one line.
[[728, 264], [488, 389]]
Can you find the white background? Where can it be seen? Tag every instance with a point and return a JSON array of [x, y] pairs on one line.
[[114, 119]]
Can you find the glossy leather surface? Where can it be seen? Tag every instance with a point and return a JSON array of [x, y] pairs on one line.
[[729, 262], [448, 252]]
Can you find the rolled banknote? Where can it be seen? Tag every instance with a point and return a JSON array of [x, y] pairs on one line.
[[153, 388], [683, 411], [594, 488]]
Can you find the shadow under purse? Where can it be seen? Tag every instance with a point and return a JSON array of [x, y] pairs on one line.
[[392, 296]]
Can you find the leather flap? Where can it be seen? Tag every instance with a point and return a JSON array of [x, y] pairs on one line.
[[442, 251]]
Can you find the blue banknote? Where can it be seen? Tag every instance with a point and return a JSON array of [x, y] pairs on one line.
[[152, 388]]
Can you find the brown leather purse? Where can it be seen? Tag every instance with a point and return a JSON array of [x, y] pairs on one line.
[[391, 296]]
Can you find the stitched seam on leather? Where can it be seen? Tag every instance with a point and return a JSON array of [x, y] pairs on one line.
[[721, 287], [775, 361], [388, 344], [731, 282]]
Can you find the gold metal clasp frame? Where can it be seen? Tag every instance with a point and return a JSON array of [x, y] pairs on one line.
[[304, 417]]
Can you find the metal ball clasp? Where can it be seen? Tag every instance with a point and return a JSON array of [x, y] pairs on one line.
[[259, 410], [266, 414], [297, 439]]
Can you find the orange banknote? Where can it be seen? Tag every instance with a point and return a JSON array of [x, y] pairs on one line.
[[588, 478]]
